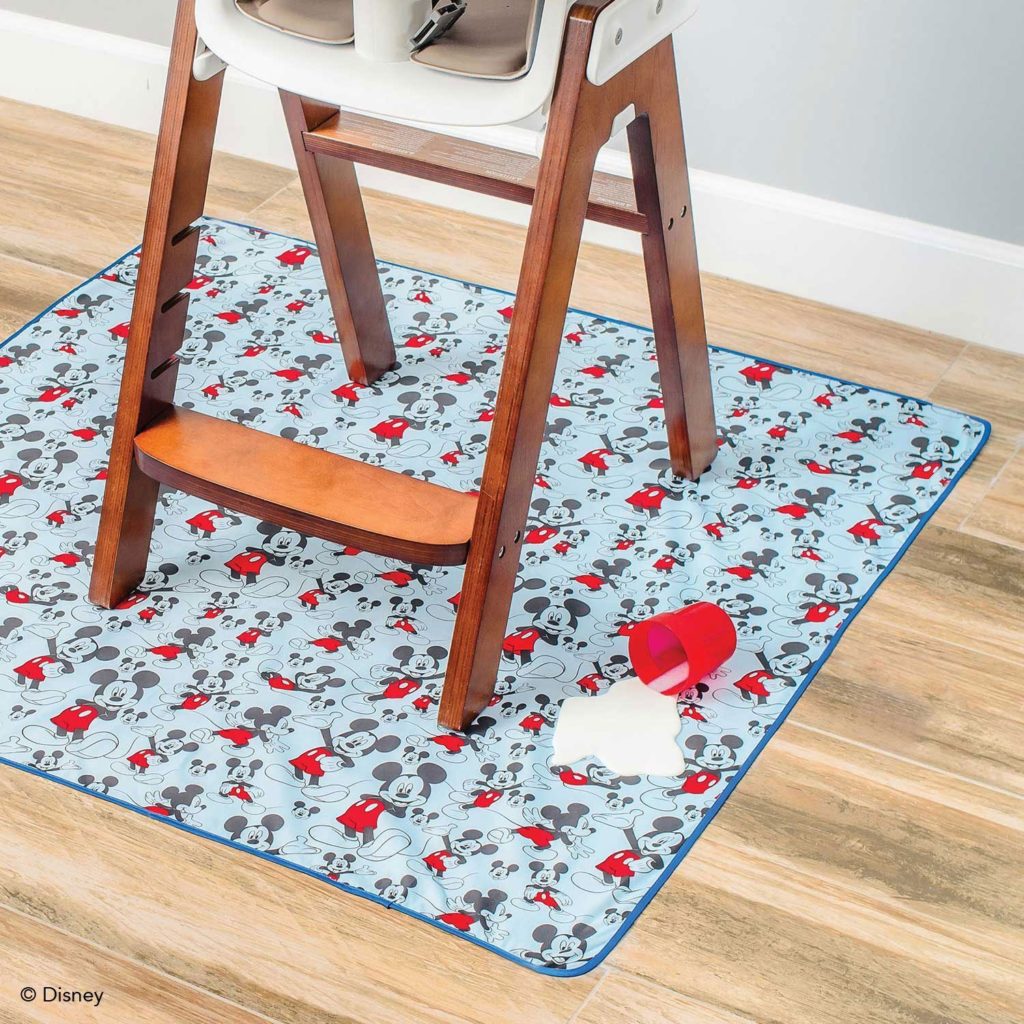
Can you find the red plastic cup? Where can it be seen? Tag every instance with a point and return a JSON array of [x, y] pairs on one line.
[[674, 650]]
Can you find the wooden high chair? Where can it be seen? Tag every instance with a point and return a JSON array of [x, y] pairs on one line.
[[599, 64]]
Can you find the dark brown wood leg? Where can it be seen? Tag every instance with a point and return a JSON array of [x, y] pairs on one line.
[[343, 239], [670, 256], [580, 123], [181, 173]]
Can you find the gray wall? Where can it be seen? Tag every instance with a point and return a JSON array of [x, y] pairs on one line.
[[911, 107], [144, 19]]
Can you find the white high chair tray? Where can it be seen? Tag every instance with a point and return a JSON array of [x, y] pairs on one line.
[[410, 91], [405, 90]]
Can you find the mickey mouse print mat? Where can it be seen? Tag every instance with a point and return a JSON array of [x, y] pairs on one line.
[[279, 693]]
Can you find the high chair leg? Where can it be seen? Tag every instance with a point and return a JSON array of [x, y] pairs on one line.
[[183, 154], [580, 123], [661, 182], [343, 240]]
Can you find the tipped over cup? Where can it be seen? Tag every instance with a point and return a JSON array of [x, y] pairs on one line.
[[673, 650]]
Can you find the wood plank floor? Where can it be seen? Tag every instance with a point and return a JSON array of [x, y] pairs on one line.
[[870, 867]]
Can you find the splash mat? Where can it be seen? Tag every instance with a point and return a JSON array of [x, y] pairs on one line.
[[279, 693]]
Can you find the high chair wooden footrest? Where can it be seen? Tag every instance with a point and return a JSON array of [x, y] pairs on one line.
[[306, 489]]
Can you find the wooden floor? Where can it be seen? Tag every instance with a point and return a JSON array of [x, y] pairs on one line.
[[869, 868]]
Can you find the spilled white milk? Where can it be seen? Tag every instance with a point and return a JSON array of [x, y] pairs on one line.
[[632, 727]]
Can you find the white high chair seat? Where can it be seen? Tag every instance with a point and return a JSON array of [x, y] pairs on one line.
[[412, 92]]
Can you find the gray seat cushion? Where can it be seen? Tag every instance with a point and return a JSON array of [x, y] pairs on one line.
[[493, 39], [326, 21]]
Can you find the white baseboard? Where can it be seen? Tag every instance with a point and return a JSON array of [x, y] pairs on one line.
[[918, 274]]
